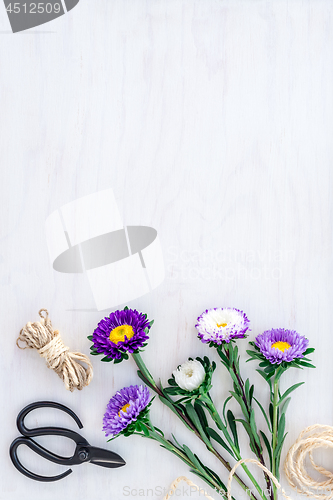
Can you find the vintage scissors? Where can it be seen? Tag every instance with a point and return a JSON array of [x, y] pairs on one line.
[[83, 451]]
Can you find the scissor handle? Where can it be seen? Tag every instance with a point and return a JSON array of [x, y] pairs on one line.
[[50, 431], [42, 452]]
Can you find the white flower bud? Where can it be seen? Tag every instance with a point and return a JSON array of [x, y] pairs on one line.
[[190, 375]]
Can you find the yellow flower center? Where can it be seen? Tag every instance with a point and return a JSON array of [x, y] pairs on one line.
[[282, 346], [119, 333], [124, 408], [221, 324]]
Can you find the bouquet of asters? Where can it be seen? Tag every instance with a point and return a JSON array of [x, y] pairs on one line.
[[125, 333]]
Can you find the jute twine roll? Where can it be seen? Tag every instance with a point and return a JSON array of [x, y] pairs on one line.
[[58, 357], [311, 438]]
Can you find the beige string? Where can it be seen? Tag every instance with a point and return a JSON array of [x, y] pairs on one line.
[[58, 357], [268, 472], [311, 438], [174, 485]]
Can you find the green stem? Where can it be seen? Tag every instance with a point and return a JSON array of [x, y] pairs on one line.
[[168, 402], [275, 426], [240, 383], [156, 436], [217, 419], [144, 370]]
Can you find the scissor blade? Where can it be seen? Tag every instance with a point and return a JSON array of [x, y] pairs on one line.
[[105, 458]]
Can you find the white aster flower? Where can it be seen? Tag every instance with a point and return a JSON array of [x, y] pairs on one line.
[[221, 325], [190, 375]]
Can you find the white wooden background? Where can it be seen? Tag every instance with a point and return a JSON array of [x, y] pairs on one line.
[[212, 121]]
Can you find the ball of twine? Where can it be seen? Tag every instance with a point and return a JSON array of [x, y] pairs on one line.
[[58, 357], [310, 439]]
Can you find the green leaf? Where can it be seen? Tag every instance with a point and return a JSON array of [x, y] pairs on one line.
[[309, 351], [233, 427], [308, 365], [235, 355], [281, 428], [289, 391], [116, 361], [223, 357], [241, 403], [151, 322], [173, 391], [192, 414], [214, 475], [270, 409], [224, 406], [264, 413], [228, 348], [177, 443], [264, 363], [278, 455], [145, 430], [254, 354], [254, 429], [193, 458], [234, 378], [247, 389], [107, 359], [279, 372], [251, 393], [285, 405], [247, 427], [202, 416], [204, 478], [90, 337], [214, 435], [268, 447], [140, 375]]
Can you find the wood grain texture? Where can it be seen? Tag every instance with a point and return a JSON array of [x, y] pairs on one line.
[[212, 121]]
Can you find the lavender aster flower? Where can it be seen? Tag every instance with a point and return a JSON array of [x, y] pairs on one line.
[[124, 409], [120, 333], [219, 325], [278, 345]]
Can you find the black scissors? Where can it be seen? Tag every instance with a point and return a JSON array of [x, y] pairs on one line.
[[83, 451]]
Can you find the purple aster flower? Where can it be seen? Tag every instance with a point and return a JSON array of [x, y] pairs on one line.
[[279, 345], [220, 325], [121, 332], [125, 408]]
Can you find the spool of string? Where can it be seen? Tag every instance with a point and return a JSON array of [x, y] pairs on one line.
[[295, 467], [58, 357]]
